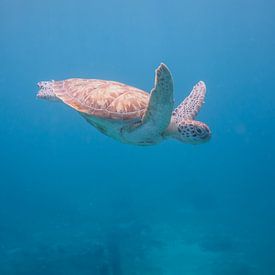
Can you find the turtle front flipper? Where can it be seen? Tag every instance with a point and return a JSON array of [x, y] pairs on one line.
[[160, 107], [192, 104], [183, 126], [158, 114]]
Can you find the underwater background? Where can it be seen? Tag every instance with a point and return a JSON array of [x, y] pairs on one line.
[[73, 201]]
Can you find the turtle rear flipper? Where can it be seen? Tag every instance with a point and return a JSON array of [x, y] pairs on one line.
[[46, 91]]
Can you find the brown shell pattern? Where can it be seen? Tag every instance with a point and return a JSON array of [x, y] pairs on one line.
[[102, 98]]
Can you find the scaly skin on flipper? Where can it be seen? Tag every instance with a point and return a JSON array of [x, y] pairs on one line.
[[191, 105], [182, 121], [161, 101], [158, 114]]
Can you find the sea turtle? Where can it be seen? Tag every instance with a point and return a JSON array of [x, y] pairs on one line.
[[131, 115]]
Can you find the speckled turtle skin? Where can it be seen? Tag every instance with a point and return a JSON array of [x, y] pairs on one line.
[[132, 115]]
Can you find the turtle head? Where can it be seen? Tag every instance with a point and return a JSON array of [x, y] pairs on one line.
[[189, 131], [192, 131]]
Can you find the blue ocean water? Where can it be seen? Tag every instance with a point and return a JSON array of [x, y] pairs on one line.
[[75, 202]]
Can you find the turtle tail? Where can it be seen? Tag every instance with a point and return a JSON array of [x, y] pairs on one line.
[[46, 91]]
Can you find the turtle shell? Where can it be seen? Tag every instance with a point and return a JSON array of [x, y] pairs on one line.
[[102, 98]]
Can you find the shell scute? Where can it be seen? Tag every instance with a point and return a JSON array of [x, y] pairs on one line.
[[106, 99]]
